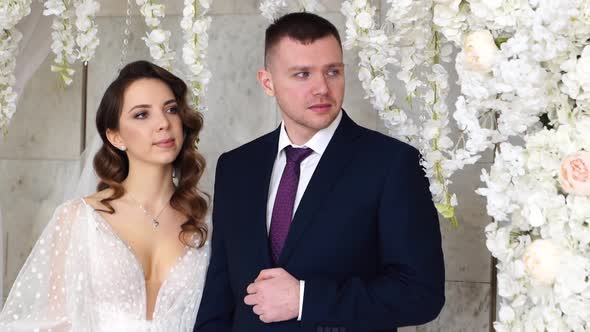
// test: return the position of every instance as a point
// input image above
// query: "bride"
(133, 256)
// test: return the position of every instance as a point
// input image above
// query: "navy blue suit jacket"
(365, 238)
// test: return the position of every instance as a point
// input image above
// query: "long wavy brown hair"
(112, 165)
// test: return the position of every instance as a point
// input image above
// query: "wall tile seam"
(468, 282)
(41, 159)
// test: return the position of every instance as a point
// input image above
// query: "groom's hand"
(274, 296)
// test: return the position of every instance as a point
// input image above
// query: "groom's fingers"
(251, 299)
(252, 288)
(269, 273)
(257, 309)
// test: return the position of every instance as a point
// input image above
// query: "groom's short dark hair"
(301, 26)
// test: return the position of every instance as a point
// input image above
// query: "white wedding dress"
(81, 276)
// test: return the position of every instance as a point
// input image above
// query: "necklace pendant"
(155, 223)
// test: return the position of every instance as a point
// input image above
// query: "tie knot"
(296, 155)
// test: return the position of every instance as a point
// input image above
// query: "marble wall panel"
(467, 309)
(466, 255)
(47, 122)
(32, 189)
(239, 110)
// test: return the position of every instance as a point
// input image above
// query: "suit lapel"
(337, 156)
(260, 175)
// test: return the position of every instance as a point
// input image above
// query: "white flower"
(364, 74)
(63, 40)
(157, 40)
(272, 9)
(498, 241)
(206, 4)
(481, 52)
(310, 6)
(507, 286)
(152, 12)
(506, 314)
(359, 4)
(574, 275)
(86, 39)
(157, 36)
(54, 7)
(450, 20)
(195, 25)
(156, 52)
(9, 40)
(535, 215)
(12, 11)
(576, 306)
(364, 20)
(576, 82)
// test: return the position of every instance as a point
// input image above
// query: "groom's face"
(307, 81)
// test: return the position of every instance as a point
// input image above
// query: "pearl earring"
(123, 148)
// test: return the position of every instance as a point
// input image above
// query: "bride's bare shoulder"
(95, 199)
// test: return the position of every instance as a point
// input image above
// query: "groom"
(320, 225)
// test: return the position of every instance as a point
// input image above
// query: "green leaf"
(447, 211)
(500, 40)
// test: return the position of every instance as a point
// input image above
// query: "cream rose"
(574, 174)
(541, 260)
(480, 50)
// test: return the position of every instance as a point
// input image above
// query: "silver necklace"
(155, 222)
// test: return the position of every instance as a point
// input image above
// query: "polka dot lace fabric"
(81, 276)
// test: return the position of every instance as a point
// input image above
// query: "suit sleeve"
(217, 305)
(409, 290)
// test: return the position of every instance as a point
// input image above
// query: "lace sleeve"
(39, 299)
(198, 285)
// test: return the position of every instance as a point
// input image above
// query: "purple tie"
(282, 211)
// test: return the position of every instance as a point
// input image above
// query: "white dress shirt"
(318, 143)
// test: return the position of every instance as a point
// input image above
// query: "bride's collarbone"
(156, 249)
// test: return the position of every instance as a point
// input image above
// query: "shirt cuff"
(301, 292)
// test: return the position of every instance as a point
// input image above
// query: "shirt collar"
(318, 143)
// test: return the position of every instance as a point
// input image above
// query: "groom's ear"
(265, 79)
